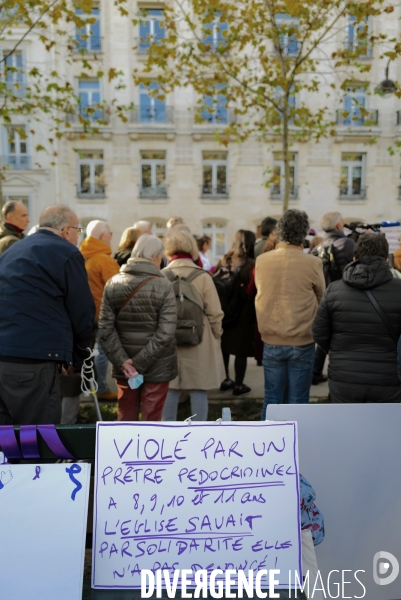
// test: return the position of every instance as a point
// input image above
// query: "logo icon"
(385, 568)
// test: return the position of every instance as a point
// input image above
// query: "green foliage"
(263, 54)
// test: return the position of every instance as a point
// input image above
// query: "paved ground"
(253, 378)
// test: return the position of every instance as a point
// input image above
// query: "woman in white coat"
(200, 368)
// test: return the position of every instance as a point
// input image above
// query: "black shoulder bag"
(383, 316)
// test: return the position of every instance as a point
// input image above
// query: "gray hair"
(147, 246)
(10, 207)
(143, 225)
(330, 220)
(56, 216)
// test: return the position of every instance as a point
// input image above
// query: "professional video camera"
(375, 227)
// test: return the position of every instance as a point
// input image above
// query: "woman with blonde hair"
(200, 367)
(128, 240)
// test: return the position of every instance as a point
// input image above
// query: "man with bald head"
(15, 220)
(46, 318)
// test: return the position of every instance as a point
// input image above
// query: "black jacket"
(47, 309)
(347, 325)
(343, 248)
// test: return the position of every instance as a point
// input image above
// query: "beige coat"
(290, 286)
(201, 367)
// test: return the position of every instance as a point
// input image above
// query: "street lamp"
(387, 86)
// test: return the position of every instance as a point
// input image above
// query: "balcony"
(357, 193)
(277, 194)
(210, 192)
(156, 192)
(150, 117)
(219, 118)
(97, 116)
(17, 161)
(91, 190)
(90, 44)
(354, 118)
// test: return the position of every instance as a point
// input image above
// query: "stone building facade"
(161, 163)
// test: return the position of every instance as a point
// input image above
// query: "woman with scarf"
(200, 368)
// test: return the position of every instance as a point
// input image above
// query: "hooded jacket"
(348, 327)
(144, 330)
(100, 266)
(8, 236)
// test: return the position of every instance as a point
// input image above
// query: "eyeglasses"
(79, 229)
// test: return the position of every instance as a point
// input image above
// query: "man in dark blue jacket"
(46, 318)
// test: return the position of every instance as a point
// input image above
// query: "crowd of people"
(168, 319)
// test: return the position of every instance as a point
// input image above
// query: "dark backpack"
(190, 313)
(229, 292)
(324, 251)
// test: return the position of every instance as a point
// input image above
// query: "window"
(91, 182)
(288, 38)
(358, 37)
(214, 34)
(352, 176)
(291, 103)
(14, 72)
(353, 102)
(27, 200)
(151, 27)
(214, 174)
(88, 37)
(151, 109)
(89, 99)
(17, 156)
(159, 228)
(278, 179)
(217, 232)
(153, 175)
(214, 108)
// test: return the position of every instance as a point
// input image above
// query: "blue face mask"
(135, 382)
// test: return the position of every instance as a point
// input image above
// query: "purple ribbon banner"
(29, 443)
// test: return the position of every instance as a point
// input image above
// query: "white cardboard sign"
(43, 515)
(205, 496)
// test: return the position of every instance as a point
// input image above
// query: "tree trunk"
(286, 159)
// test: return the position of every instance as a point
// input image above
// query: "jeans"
(101, 363)
(198, 405)
(288, 372)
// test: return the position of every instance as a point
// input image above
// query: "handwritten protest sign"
(199, 497)
(43, 526)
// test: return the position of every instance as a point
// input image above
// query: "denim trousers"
(199, 406)
(288, 374)
(101, 363)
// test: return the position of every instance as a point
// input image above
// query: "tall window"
(278, 182)
(214, 33)
(15, 72)
(288, 39)
(89, 99)
(151, 27)
(352, 176)
(88, 37)
(214, 107)
(217, 232)
(291, 103)
(91, 183)
(353, 102)
(358, 37)
(214, 174)
(151, 108)
(17, 148)
(153, 174)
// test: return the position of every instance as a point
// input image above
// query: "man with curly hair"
(290, 286)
